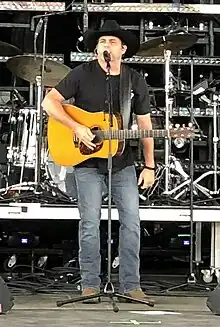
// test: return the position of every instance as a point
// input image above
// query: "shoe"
(91, 291)
(139, 295)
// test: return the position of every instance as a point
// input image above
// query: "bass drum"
(62, 177)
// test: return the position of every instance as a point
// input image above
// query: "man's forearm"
(55, 109)
(148, 149)
(144, 122)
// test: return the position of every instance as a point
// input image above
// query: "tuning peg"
(183, 126)
(170, 126)
(190, 125)
(177, 126)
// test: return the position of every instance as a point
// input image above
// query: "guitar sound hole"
(97, 138)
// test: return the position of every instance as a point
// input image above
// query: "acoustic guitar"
(66, 150)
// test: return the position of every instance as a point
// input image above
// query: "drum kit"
(27, 144)
(28, 123)
(165, 46)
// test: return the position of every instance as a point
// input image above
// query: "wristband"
(149, 168)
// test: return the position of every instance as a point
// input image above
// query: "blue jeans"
(125, 195)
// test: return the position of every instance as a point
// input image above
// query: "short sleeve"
(141, 99)
(68, 86)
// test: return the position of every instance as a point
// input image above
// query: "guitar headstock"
(181, 131)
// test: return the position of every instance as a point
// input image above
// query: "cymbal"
(28, 67)
(173, 42)
(9, 50)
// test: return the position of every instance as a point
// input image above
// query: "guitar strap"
(125, 94)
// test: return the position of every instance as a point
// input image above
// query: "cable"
(55, 269)
(58, 279)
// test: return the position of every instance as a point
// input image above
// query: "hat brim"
(91, 38)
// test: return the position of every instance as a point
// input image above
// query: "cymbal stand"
(215, 144)
(39, 122)
(24, 144)
(195, 236)
(215, 227)
(38, 131)
(16, 122)
(168, 110)
(10, 154)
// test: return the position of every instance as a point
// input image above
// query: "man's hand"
(146, 178)
(84, 135)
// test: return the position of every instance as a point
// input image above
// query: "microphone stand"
(109, 289)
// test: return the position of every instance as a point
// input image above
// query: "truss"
(175, 60)
(149, 8)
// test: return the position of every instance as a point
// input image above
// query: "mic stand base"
(191, 281)
(111, 294)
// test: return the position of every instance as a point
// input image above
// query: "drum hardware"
(24, 186)
(175, 179)
(184, 186)
(49, 191)
(168, 111)
(17, 99)
(3, 176)
(39, 131)
(39, 72)
(180, 182)
(215, 172)
(12, 121)
(9, 50)
(21, 149)
(215, 143)
(172, 42)
(28, 67)
(164, 46)
(55, 174)
(28, 140)
(26, 148)
(159, 174)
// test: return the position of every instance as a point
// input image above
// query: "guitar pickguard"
(86, 151)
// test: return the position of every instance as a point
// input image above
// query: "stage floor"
(41, 310)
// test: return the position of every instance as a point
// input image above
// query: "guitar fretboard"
(131, 134)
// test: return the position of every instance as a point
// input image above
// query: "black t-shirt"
(87, 85)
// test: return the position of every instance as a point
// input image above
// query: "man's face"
(113, 45)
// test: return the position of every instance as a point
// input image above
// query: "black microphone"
(36, 33)
(107, 56)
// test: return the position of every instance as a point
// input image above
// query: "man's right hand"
(84, 135)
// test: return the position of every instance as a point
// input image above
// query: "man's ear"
(124, 48)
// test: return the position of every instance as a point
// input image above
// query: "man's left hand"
(146, 178)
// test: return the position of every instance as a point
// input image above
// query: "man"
(87, 84)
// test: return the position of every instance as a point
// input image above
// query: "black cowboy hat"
(111, 28)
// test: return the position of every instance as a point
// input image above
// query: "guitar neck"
(131, 134)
